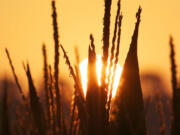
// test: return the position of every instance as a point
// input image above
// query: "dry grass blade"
(173, 65)
(56, 64)
(14, 74)
(5, 118)
(79, 99)
(113, 41)
(78, 77)
(36, 108)
(52, 103)
(115, 65)
(73, 75)
(46, 84)
(130, 117)
(176, 92)
(106, 35)
(106, 29)
(103, 94)
(118, 40)
(68, 63)
(73, 126)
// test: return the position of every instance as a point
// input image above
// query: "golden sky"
(26, 24)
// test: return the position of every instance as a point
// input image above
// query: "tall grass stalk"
(56, 67)
(115, 65)
(14, 74)
(106, 32)
(36, 107)
(52, 103)
(46, 84)
(176, 91)
(173, 65)
(104, 86)
(73, 108)
(113, 41)
(79, 99)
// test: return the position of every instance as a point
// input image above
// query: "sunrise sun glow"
(83, 69)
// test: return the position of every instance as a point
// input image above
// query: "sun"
(83, 70)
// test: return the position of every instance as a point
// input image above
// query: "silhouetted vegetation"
(95, 113)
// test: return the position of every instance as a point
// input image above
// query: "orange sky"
(26, 24)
